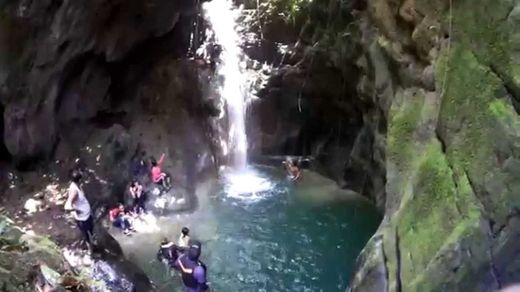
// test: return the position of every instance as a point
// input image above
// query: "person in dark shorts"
(138, 197)
(78, 204)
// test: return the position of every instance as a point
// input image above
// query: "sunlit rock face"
(61, 61)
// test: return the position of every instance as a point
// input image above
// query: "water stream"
(286, 238)
(222, 17)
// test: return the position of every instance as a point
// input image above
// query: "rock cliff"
(64, 62)
(452, 152)
(415, 104)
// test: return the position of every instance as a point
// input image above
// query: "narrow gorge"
(403, 116)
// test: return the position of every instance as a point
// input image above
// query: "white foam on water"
(146, 223)
(247, 185)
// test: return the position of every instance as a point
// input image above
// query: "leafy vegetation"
(288, 10)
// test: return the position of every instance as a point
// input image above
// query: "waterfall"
(222, 17)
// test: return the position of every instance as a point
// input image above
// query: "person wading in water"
(291, 166)
(78, 204)
(193, 271)
(184, 238)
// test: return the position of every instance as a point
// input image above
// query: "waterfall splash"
(242, 182)
(222, 17)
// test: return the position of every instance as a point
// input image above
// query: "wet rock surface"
(29, 261)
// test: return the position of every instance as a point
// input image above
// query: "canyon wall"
(427, 94)
(452, 152)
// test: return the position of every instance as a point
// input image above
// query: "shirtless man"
(292, 169)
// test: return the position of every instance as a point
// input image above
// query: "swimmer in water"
(292, 169)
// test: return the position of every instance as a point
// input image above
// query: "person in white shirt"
(184, 238)
(78, 204)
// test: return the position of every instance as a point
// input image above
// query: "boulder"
(33, 205)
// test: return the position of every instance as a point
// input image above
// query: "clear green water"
(291, 238)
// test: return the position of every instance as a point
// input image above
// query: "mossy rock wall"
(453, 151)
(20, 256)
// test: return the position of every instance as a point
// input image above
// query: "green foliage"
(287, 10)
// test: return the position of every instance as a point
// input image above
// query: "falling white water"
(222, 17)
(242, 182)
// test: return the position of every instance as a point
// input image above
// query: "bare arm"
(132, 192)
(72, 197)
(184, 270)
(298, 172)
(161, 160)
(295, 171)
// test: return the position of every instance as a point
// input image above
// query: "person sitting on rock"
(119, 219)
(292, 169)
(184, 238)
(138, 196)
(158, 176)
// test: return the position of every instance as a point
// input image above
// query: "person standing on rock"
(78, 204)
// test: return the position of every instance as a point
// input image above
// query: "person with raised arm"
(158, 176)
